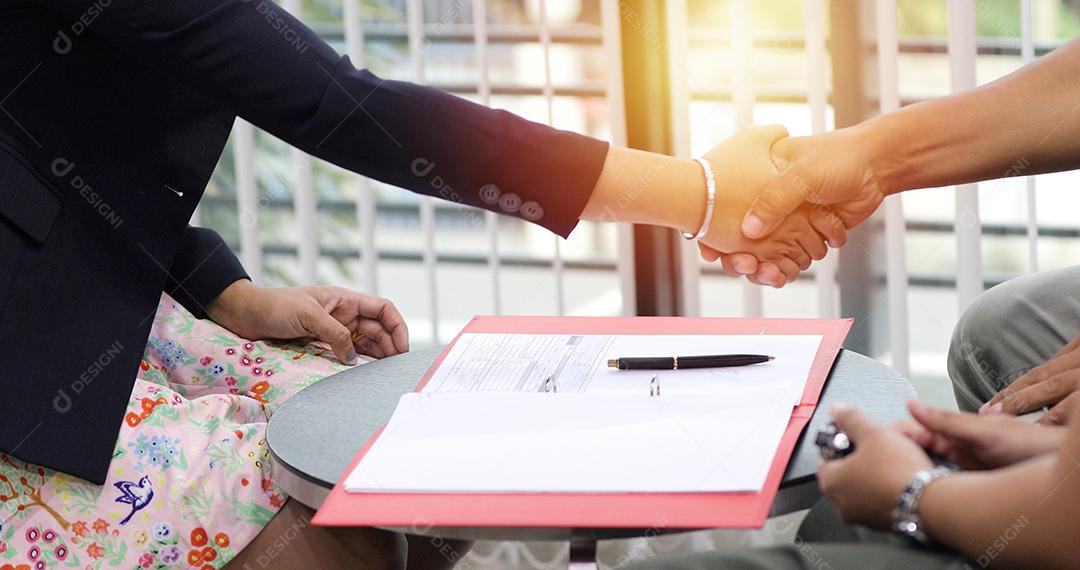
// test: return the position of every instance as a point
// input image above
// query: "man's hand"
(828, 175)
(866, 484)
(978, 442)
(1054, 383)
(332, 315)
(832, 169)
(744, 166)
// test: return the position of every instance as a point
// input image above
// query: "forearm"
(202, 268)
(647, 188)
(1024, 123)
(1021, 516)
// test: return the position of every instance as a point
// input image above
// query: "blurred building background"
(723, 64)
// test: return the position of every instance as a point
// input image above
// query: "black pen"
(684, 362)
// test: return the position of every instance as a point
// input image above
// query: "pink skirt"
(189, 485)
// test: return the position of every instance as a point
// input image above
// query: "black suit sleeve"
(202, 267)
(270, 69)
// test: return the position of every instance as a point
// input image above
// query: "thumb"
(780, 197)
(320, 325)
(852, 422)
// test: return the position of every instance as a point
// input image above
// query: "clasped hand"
(866, 484)
(787, 199)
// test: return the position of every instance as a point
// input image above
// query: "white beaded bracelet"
(710, 201)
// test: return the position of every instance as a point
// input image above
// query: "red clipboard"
(598, 510)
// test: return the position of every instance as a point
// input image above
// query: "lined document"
(510, 442)
(578, 364)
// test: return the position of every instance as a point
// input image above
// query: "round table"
(316, 434)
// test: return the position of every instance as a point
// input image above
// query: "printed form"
(481, 362)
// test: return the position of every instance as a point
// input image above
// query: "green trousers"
(1010, 329)
(824, 542)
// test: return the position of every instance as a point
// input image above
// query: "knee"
(973, 336)
(978, 350)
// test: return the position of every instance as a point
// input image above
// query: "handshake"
(781, 202)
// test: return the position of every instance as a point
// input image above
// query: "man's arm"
(1023, 516)
(1027, 122)
(201, 269)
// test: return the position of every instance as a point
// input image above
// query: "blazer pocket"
(25, 200)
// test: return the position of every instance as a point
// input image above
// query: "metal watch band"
(710, 201)
(905, 516)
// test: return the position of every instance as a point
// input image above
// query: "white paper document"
(496, 442)
(481, 362)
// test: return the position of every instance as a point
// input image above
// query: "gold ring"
(356, 336)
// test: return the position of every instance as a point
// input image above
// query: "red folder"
(598, 510)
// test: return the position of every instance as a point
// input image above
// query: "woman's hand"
(348, 321)
(977, 442)
(866, 484)
(645, 188)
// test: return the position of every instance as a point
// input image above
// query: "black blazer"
(113, 114)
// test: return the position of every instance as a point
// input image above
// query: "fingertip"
(743, 265)
(996, 408)
(840, 408)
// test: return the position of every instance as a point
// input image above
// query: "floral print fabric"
(189, 485)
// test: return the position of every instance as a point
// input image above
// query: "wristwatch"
(905, 517)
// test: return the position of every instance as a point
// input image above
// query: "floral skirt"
(189, 485)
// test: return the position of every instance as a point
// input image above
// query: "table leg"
(583, 554)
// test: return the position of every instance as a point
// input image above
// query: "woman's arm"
(647, 188)
(257, 60)
(202, 268)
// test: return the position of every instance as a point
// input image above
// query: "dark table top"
(317, 433)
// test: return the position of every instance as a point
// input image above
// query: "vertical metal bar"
(817, 97)
(1027, 53)
(742, 47)
(491, 219)
(549, 98)
(678, 49)
(304, 197)
(415, 19)
(247, 199)
(646, 62)
(365, 205)
(857, 277)
(962, 51)
(612, 38)
(895, 253)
